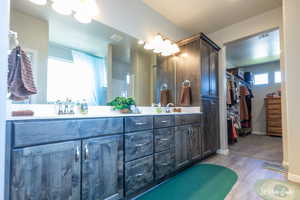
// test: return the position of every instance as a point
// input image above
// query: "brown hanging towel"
(20, 78)
(164, 97)
(185, 97)
(244, 112)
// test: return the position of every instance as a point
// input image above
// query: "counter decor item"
(122, 104)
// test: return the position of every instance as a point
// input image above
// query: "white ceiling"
(258, 49)
(210, 15)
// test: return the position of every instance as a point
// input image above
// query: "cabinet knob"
(86, 152)
(77, 154)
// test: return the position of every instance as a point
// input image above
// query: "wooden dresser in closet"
(273, 116)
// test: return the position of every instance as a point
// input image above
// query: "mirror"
(80, 61)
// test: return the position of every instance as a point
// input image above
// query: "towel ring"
(164, 87)
(187, 83)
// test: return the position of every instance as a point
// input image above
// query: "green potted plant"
(122, 104)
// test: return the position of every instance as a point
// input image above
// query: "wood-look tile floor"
(249, 171)
(259, 147)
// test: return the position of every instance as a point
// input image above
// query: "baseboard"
(294, 178)
(223, 152)
(285, 164)
(258, 133)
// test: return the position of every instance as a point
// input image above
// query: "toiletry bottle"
(84, 107)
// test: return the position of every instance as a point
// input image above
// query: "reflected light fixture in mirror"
(39, 2)
(162, 46)
(84, 10)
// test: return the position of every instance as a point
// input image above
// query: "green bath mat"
(201, 182)
(269, 189)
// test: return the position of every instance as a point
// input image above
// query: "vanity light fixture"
(162, 46)
(83, 10)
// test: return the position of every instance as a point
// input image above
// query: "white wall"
(4, 26)
(259, 93)
(137, 19)
(266, 21)
(291, 16)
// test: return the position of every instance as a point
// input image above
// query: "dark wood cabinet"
(210, 140)
(182, 144)
(102, 168)
(47, 172)
(209, 70)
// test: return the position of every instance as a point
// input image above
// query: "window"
(261, 79)
(277, 76)
(82, 78)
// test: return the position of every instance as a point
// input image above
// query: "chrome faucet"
(168, 109)
(65, 108)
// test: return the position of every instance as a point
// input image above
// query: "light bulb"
(148, 46)
(83, 18)
(87, 6)
(62, 7)
(141, 42)
(39, 2)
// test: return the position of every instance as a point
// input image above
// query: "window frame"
(265, 82)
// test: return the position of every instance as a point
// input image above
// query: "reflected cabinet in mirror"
(78, 61)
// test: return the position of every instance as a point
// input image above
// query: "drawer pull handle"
(140, 123)
(164, 139)
(86, 152)
(140, 145)
(77, 154)
(139, 175)
(165, 164)
(164, 121)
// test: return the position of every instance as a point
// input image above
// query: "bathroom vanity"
(122, 155)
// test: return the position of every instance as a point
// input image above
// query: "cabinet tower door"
(182, 140)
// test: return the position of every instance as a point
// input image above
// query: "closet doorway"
(254, 97)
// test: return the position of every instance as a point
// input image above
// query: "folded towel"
(20, 78)
(185, 97)
(164, 97)
(21, 113)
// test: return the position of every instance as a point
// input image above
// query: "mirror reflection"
(76, 61)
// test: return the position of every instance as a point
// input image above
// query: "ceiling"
(258, 49)
(208, 16)
(92, 38)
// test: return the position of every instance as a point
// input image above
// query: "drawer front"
(138, 145)
(164, 121)
(273, 101)
(274, 124)
(274, 107)
(138, 123)
(98, 127)
(163, 139)
(187, 119)
(272, 112)
(138, 174)
(164, 163)
(40, 132)
(273, 116)
(274, 130)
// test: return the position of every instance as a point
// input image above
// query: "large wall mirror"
(80, 61)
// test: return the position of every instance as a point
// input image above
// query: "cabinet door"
(182, 143)
(205, 68)
(49, 172)
(214, 125)
(102, 168)
(206, 128)
(213, 73)
(196, 142)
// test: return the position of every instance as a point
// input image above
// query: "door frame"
(222, 93)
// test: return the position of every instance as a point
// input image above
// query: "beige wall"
(266, 21)
(291, 18)
(33, 36)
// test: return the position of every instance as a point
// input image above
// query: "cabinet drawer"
(138, 174)
(274, 124)
(164, 163)
(164, 121)
(273, 101)
(187, 119)
(138, 144)
(138, 123)
(98, 127)
(40, 132)
(272, 112)
(274, 107)
(273, 116)
(163, 139)
(274, 130)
